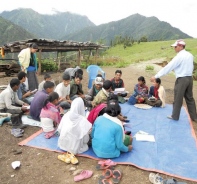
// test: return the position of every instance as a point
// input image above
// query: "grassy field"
(147, 50)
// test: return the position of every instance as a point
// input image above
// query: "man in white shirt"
(63, 90)
(47, 77)
(183, 65)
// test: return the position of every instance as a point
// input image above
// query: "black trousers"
(184, 89)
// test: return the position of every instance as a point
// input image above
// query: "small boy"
(47, 77)
(63, 90)
(76, 87)
(39, 98)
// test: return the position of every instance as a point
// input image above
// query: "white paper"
(15, 164)
(144, 137)
(27, 107)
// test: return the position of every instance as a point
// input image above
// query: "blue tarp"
(174, 152)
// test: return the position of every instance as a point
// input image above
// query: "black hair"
(158, 80)
(112, 96)
(113, 108)
(34, 46)
(14, 82)
(48, 84)
(141, 78)
(66, 76)
(99, 75)
(46, 76)
(21, 75)
(79, 76)
(79, 71)
(118, 71)
(107, 84)
(52, 96)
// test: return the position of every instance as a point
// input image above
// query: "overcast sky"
(179, 13)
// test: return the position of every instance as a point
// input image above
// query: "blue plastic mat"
(174, 152)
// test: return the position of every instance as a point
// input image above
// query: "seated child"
(50, 115)
(47, 77)
(97, 86)
(108, 138)
(76, 87)
(158, 92)
(39, 98)
(22, 92)
(63, 90)
(140, 92)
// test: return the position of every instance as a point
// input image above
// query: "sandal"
(106, 174)
(83, 175)
(103, 167)
(65, 158)
(117, 175)
(105, 181)
(16, 133)
(107, 162)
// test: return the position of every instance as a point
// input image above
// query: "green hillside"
(47, 26)
(10, 32)
(150, 50)
(134, 26)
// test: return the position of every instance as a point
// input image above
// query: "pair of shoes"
(68, 158)
(116, 176)
(83, 175)
(155, 178)
(17, 132)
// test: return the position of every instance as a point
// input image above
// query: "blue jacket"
(107, 138)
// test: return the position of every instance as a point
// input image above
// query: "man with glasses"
(183, 65)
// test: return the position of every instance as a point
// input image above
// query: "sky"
(179, 13)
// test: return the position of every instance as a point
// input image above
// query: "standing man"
(28, 63)
(183, 65)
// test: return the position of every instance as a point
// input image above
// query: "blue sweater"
(107, 138)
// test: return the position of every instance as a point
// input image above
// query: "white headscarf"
(73, 127)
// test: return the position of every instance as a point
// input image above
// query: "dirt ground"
(42, 167)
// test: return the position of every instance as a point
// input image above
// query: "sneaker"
(169, 117)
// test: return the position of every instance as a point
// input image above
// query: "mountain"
(47, 26)
(135, 26)
(10, 32)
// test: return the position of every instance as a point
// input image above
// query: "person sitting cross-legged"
(63, 90)
(47, 77)
(39, 98)
(158, 92)
(108, 138)
(9, 103)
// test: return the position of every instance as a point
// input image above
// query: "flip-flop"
(105, 181)
(103, 167)
(19, 130)
(117, 175)
(106, 162)
(172, 181)
(106, 174)
(83, 175)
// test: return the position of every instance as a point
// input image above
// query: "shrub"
(149, 67)
(48, 65)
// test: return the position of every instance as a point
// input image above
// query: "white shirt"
(62, 90)
(182, 64)
(8, 98)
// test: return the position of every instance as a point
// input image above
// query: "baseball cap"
(99, 80)
(178, 42)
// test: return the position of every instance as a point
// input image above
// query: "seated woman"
(158, 93)
(50, 115)
(108, 138)
(74, 129)
(140, 92)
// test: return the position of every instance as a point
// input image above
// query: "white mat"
(143, 106)
(31, 122)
